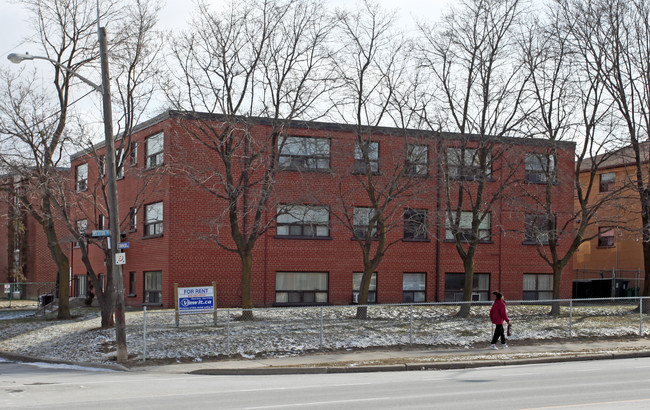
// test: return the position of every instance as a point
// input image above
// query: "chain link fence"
(27, 291)
(155, 334)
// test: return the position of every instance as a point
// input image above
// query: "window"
(607, 181)
(303, 221)
(101, 166)
(356, 286)
(537, 228)
(301, 287)
(303, 153)
(455, 284)
(361, 221)
(465, 227)
(134, 153)
(119, 164)
(80, 285)
(82, 177)
(417, 159)
(415, 224)
(153, 219)
(132, 284)
(373, 157)
(414, 286)
(82, 228)
(465, 163)
(539, 168)
(133, 219)
(538, 287)
(606, 236)
(154, 147)
(153, 287)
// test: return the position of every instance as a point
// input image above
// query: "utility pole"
(114, 219)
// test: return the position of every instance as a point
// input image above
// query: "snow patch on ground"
(295, 331)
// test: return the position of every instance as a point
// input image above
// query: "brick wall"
(188, 255)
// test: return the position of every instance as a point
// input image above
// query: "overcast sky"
(14, 27)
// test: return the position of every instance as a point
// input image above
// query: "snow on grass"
(278, 332)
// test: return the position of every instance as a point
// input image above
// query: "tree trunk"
(557, 281)
(246, 299)
(362, 311)
(105, 300)
(465, 308)
(64, 286)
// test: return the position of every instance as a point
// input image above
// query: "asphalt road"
(602, 384)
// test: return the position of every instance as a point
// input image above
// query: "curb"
(416, 366)
(29, 359)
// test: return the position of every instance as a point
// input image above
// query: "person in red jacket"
(498, 315)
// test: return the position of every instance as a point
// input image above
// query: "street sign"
(195, 299)
(120, 258)
(101, 232)
(123, 245)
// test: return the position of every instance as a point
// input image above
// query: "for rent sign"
(195, 299)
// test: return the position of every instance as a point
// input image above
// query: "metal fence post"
(228, 332)
(411, 325)
(641, 316)
(570, 316)
(321, 329)
(144, 335)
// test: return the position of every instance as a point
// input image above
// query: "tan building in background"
(615, 249)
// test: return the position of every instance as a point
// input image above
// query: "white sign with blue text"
(191, 300)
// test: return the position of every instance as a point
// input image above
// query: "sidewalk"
(416, 359)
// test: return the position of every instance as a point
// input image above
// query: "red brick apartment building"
(24, 257)
(314, 261)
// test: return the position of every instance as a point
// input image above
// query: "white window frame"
(356, 287)
(607, 182)
(531, 284)
(539, 167)
(361, 220)
(134, 154)
(417, 159)
(414, 291)
(468, 167)
(303, 221)
(154, 150)
(301, 288)
(153, 287)
(373, 157)
(81, 177)
(415, 229)
(304, 153)
(537, 228)
(465, 227)
(153, 219)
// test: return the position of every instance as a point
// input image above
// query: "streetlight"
(105, 90)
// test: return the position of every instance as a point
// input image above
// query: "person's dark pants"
(499, 333)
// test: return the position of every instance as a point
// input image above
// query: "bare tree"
(472, 58)
(570, 105)
(254, 59)
(374, 65)
(66, 32)
(612, 38)
(135, 55)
